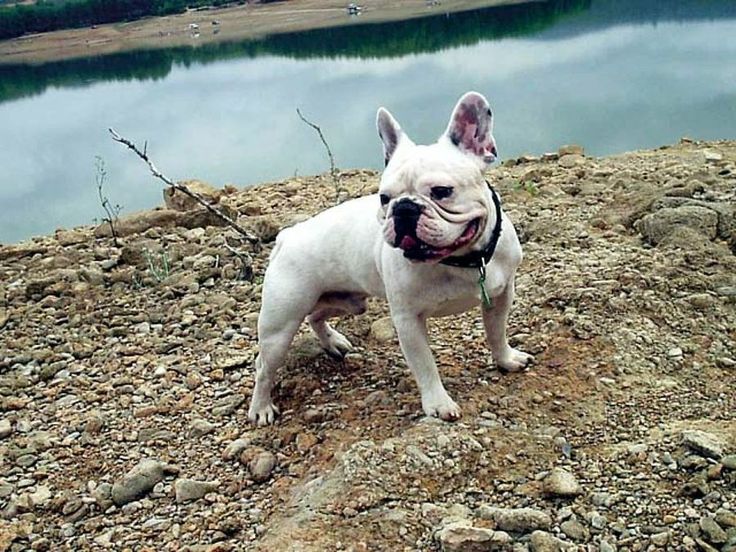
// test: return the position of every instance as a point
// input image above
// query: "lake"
(612, 75)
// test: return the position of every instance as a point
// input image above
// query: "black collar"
(478, 259)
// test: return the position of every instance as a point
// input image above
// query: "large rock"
(704, 443)
(655, 227)
(139, 481)
(561, 483)
(460, 536)
(179, 201)
(137, 223)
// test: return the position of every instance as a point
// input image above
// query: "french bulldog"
(433, 242)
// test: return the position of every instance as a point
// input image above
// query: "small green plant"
(158, 268)
(111, 211)
(528, 186)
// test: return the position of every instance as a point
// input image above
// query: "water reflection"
(597, 76)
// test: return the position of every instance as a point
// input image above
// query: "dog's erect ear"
(470, 128)
(390, 132)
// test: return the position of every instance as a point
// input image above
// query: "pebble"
(5, 428)
(191, 489)
(234, 449)
(261, 466)
(201, 427)
(574, 529)
(561, 483)
(382, 330)
(545, 542)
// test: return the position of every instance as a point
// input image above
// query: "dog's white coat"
(327, 265)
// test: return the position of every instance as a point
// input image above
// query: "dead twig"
(333, 169)
(181, 188)
(111, 211)
(246, 263)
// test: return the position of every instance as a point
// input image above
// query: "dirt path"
(234, 23)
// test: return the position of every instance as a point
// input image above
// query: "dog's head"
(434, 200)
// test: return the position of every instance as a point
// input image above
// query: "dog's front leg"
(495, 319)
(411, 329)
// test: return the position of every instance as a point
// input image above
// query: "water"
(613, 75)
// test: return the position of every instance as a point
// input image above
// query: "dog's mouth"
(417, 250)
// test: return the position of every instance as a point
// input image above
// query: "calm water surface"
(613, 75)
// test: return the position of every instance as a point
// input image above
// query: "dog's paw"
(262, 414)
(337, 345)
(514, 361)
(445, 409)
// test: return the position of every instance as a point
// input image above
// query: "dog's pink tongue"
(407, 242)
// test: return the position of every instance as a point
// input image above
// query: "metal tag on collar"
(485, 300)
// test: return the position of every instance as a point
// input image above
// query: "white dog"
(433, 242)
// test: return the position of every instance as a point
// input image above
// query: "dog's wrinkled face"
(434, 201)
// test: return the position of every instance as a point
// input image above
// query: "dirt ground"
(234, 23)
(123, 358)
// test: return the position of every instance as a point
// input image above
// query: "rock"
(261, 466)
(179, 201)
(313, 416)
(382, 330)
(138, 223)
(660, 539)
(729, 462)
(139, 481)
(228, 405)
(704, 443)
(713, 532)
(41, 496)
(561, 483)
(725, 518)
(201, 428)
(264, 227)
(191, 489)
(570, 160)
(5, 428)
(712, 156)
(574, 529)
(656, 226)
(460, 536)
(71, 237)
(234, 449)
(544, 542)
(516, 520)
(570, 149)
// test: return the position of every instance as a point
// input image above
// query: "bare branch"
(333, 169)
(181, 188)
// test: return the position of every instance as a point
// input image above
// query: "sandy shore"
(233, 23)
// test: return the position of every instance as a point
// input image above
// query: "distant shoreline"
(227, 24)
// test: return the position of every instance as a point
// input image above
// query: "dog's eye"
(384, 199)
(441, 192)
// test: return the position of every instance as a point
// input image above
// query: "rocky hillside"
(125, 373)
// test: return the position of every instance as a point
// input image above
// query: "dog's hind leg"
(329, 306)
(282, 311)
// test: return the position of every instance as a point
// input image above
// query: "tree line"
(51, 16)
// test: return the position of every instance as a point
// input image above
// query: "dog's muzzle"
(406, 214)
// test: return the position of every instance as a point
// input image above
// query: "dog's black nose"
(406, 208)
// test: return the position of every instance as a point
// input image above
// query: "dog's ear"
(470, 129)
(390, 133)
